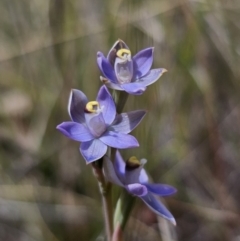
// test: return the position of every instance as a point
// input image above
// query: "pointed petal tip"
(175, 191)
(134, 145)
(104, 80)
(149, 48)
(143, 161)
(75, 92)
(120, 40)
(99, 54)
(89, 162)
(72, 92)
(59, 127)
(164, 70)
(105, 88)
(116, 43)
(152, 49)
(145, 112)
(62, 130)
(173, 221)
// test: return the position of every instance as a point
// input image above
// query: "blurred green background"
(190, 136)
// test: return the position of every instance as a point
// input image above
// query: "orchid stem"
(107, 209)
(120, 98)
(106, 193)
(123, 210)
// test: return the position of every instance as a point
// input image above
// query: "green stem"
(120, 98)
(123, 210)
(125, 201)
(108, 213)
(106, 193)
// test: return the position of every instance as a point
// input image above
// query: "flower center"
(132, 163)
(92, 107)
(94, 118)
(123, 66)
(124, 54)
(96, 124)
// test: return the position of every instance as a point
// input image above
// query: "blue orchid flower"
(97, 125)
(132, 176)
(122, 72)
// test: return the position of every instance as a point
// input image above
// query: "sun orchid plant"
(132, 176)
(102, 131)
(97, 125)
(123, 72)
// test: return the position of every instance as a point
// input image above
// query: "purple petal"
(114, 86)
(142, 62)
(157, 207)
(143, 177)
(123, 70)
(137, 189)
(119, 140)
(160, 189)
(126, 122)
(110, 173)
(110, 84)
(76, 105)
(107, 105)
(119, 44)
(134, 88)
(119, 166)
(152, 76)
(93, 150)
(106, 67)
(75, 131)
(133, 175)
(95, 123)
